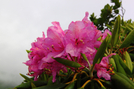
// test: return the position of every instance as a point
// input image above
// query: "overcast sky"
(22, 21)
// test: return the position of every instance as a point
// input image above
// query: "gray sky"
(22, 21)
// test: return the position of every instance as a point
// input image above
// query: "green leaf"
(107, 84)
(24, 85)
(128, 60)
(28, 51)
(128, 40)
(52, 86)
(100, 51)
(118, 65)
(68, 62)
(103, 87)
(131, 26)
(126, 78)
(111, 61)
(28, 85)
(127, 70)
(85, 58)
(26, 78)
(116, 31)
(70, 86)
(33, 86)
(120, 81)
(50, 80)
(131, 55)
(78, 82)
(128, 28)
(39, 83)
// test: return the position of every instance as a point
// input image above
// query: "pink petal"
(105, 33)
(72, 50)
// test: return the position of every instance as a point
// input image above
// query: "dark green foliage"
(107, 16)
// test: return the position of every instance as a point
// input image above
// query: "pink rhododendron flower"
(106, 32)
(80, 37)
(55, 45)
(103, 66)
(53, 68)
(103, 73)
(54, 42)
(35, 57)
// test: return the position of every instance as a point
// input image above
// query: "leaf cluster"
(107, 16)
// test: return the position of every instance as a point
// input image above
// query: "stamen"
(52, 46)
(47, 48)
(81, 41)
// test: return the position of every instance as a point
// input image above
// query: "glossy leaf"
(28, 85)
(120, 81)
(84, 56)
(32, 85)
(103, 87)
(111, 61)
(101, 51)
(39, 83)
(26, 78)
(24, 85)
(118, 65)
(128, 28)
(128, 40)
(50, 80)
(28, 51)
(107, 84)
(128, 60)
(131, 26)
(52, 86)
(126, 78)
(70, 86)
(116, 31)
(68, 62)
(127, 70)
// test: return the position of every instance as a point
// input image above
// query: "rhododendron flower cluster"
(103, 68)
(80, 37)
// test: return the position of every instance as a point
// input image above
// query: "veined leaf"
(52, 86)
(128, 28)
(50, 80)
(28, 85)
(85, 58)
(26, 78)
(128, 40)
(28, 51)
(111, 61)
(24, 85)
(70, 86)
(128, 60)
(118, 65)
(127, 70)
(126, 78)
(131, 26)
(120, 81)
(116, 31)
(68, 62)
(39, 83)
(32, 85)
(101, 51)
